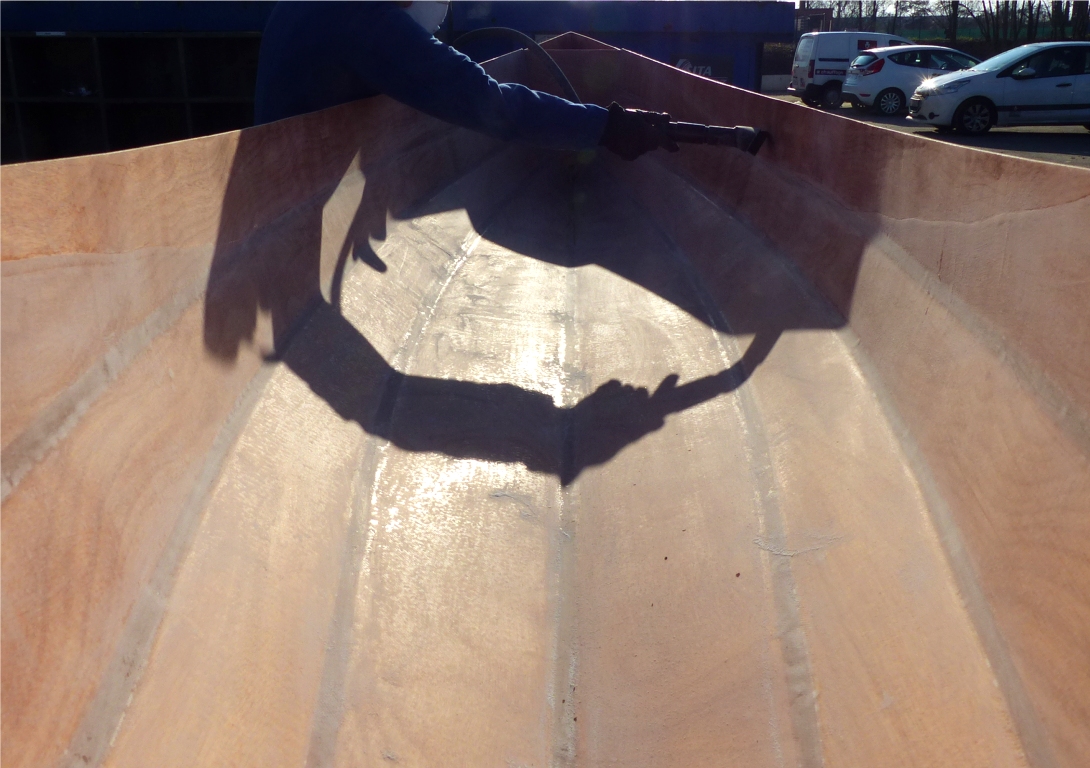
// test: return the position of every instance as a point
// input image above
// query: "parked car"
(884, 78)
(822, 59)
(1036, 84)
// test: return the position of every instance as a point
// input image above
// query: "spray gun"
(631, 132)
(673, 132)
(741, 136)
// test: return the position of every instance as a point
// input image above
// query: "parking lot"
(1056, 144)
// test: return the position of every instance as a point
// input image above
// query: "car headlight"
(953, 87)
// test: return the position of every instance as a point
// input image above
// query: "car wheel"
(810, 102)
(831, 97)
(974, 118)
(890, 102)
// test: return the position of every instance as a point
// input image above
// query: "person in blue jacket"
(317, 55)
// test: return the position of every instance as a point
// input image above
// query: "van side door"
(833, 58)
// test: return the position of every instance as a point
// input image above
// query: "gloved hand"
(631, 132)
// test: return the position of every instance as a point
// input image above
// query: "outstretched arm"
(397, 57)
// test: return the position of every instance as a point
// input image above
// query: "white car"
(822, 59)
(884, 78)
(1037, 84)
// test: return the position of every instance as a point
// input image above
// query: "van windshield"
(802, 53)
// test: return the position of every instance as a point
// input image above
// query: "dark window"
(60, 130)
(222, 67)
(965, 62)
(53, 67)
(218, 118)
(74, 95)
(141, 67)
(5, 76)
(865, 59)
(1054, 62)
(135, 125)
(10, 149)
(944, 61)
(1085, 50)
(910, 58)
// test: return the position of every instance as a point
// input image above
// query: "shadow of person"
(265, 290)
(491, 422)
(616, 415)
(268, 264)
(268, 256)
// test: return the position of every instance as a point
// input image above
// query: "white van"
(822, 59)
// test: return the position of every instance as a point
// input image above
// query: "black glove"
(631, 132)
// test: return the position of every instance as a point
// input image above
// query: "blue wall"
(725, 36)
(92, 16)
(721, 39)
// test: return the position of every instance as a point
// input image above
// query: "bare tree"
(1080, 19)
(1033, 13)
(904, 9)
(1069, 13)
(1061, 16)
(951, 11)
(872, 15)
(1000, 21)
(843, 10)
(891, 26)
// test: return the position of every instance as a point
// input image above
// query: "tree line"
(1000, 24)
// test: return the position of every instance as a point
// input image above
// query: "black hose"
(535, 50)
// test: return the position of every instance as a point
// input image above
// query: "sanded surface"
(385, 444)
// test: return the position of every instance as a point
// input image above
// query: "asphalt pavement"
(1069, 145)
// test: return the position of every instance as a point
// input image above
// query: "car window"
(864, 60)
(1054, 62)
(1085, 60)
(910, 58)
(1002, 60)
(802, 53)
(964, 61)
(944, 61)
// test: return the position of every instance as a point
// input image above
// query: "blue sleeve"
(397, 57)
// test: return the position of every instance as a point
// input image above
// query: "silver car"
(1037, 84)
